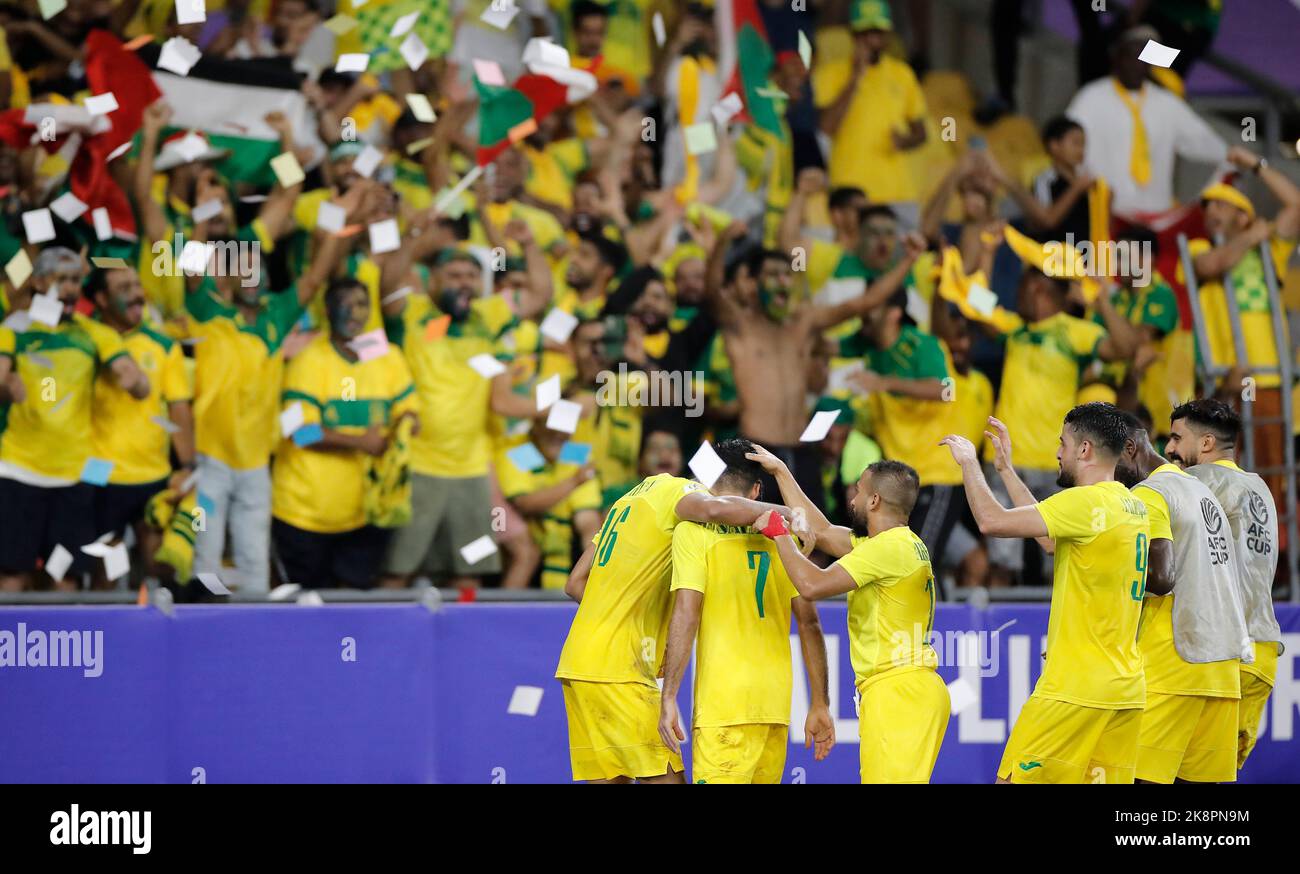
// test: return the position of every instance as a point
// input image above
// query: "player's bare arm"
(993, 518)
(1000, 438)
(834, 540)
(823, 317)
(810, 581)
(682, 628)
(819, 727)
(577, 582)
(1160, 566)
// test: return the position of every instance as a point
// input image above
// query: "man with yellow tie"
(1135, 129)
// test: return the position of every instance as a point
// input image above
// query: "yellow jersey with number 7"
(1102, 533)
(619, 632)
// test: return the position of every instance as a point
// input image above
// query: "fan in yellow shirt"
(137, 436)
(351, 389)
(885, 569)
(732, 592)
(47, 437)
(559, 500)
(1081, 723)
(615, 646)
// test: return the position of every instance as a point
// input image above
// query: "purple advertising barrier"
(348, 693)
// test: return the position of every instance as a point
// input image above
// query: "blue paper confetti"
(526, 457)
(96, 471)
(205, 503)
(308, 434)
(575, 453)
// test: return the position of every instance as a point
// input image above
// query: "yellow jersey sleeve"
(665, 497)
(585, 496)
(690, 569)
(570, 154)
(913, 99)
(1157, 512)
(306, 206)
(8, 341)
(1084, 337)
(823, 258)
(869, 562)
(175, 378)
(1071, 516)
(402, 387)
(513, 481)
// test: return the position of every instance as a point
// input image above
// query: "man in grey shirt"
(1203, 441)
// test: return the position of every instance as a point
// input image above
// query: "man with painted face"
(1203, 440)
(43, 502)
(769, 338)
(355, 395)
(138, 436)
(447, 335)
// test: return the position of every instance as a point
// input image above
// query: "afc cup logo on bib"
(1210, 513)
(1258, 509)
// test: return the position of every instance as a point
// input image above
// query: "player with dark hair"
(734, 594)
(885, 569)
(1081, 723)
(1203, 440)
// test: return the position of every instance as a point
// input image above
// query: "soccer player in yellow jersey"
(885, 569)
(47, 436)
(614, 650)
(1080, 725)
(138, 436)
(732, 592)
(1203, 440)
(1194, 637)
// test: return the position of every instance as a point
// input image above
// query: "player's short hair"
(584, 8)
(1209, 415)
(758, 256)
(611, 253)
(843, 197)
(896, 483)
(741, 472)
(1101, 424)
(1056, 128)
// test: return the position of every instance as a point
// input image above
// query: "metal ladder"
(1211, 372)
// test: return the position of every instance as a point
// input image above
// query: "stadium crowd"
(336, 296)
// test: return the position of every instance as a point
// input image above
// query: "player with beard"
(1192, 638)
(1081, 722)
(769, 331)
(594, 265)
(885, 569)
(1203, 441)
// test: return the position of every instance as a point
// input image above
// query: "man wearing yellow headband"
(1230, 219)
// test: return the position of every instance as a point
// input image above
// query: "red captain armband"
(775, 526)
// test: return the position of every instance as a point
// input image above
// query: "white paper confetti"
(331, 217)
(477, 550)
(661, 33)
(353, 62)
(195, 257)
(421, 108)
(1158, 55)
(413, 51)
(365, 163)
(499, 15)
(103, 225)
(525, 701)
(384, 237)
(119, 151)
(981, 299)
(190, 12)
(117, 562)
(101, 104)
(548, 392)
(558, 325)
(38, 225)
(206, 210)
(706, 465)
(178, 56)
(819, 427)
(726, 108)
(291, 418)
(67, 207)
(564, 416)
(46, 309)
(404, 24)
(486, 366)
(58, 563)
(166, 424)
(961, 695)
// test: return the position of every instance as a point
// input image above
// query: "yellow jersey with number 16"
(1101, 533)
(619, 632)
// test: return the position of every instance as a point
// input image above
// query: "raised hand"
(963, 451)
(1001, 440)
(766, 460)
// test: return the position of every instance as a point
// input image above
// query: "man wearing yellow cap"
(1230, 219)
(874, 113)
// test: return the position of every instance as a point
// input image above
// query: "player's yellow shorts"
(1254, 695)
(739, 753)
(902, 717)
(1058, 742)
(614, 731)
(1188, 737)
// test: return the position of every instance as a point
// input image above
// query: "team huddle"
(1162, 644)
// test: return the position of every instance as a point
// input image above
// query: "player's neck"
(1094, 474)
(881, 524)
(1211, 457)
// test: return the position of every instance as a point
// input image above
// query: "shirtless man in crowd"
(769, 327)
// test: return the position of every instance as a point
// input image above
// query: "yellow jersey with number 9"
(1101, 533)
(742, 653)
(891, 612)
(619, 632)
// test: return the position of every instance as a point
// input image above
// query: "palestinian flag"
(747, 62)
(508, 114)
(228, 100)
(109, 68)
